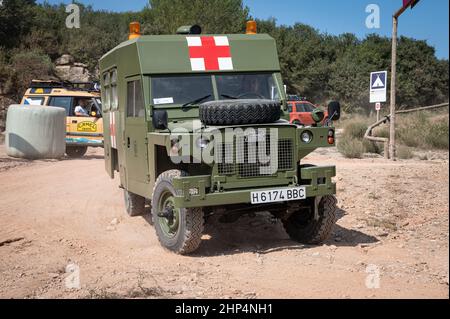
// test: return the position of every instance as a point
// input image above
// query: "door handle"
(128, 142)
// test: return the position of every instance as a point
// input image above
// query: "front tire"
(178, 229)
(302, 227)
(134, 204)
(76, 151)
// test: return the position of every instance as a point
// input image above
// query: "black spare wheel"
(240, 112)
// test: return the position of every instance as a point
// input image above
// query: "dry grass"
(422, 130)
(350, 147)
(404, 152)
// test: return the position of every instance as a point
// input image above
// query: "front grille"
(248, 163)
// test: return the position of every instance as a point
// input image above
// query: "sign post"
(378, 109)
(406, 4)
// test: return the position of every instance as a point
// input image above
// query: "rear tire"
(134, 204)
(302, 227)
(76, 151)
(180, 231)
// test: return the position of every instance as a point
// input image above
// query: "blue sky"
(429, 20)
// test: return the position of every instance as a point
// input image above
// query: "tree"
(215, 16)
(16, 18)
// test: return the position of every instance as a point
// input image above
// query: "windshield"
(181, 89)
(247, 86)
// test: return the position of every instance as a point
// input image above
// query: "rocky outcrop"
(68, 70)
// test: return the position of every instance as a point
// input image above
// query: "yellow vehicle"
(82, 103)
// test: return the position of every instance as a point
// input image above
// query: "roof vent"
(189, 29)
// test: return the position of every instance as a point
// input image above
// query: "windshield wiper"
(229, 96)
(189, 104)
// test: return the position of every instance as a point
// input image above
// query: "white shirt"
(80, 109)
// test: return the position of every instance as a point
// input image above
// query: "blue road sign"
(378, 80)
(378, 86)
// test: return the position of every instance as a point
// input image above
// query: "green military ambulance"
(196, 125)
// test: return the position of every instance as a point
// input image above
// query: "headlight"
(307, 137)
(330, 133)
(202, 142)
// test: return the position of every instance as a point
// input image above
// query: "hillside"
(316, 65)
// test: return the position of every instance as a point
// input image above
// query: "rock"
(337, 239)
(115, 221)
(110, 228)
(65, 59)
(316, 254)
(81, 65)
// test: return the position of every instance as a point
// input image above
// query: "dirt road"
(391, 240)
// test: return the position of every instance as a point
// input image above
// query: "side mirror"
(160, 119)
(334, 111)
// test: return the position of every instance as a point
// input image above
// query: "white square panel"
(198, 64)
(225, 64)
(194, 41)
(221, 41)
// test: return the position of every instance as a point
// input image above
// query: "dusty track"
(56, 213)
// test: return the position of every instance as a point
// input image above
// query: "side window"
(308, 107)
(130, 99)
(106, 91)
(114, 96)
(135, 99)
(34, 100)
(64, 102)
(300, 107)
(290, 107)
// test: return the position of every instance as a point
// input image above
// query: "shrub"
(355, 129)
(371, 147)
(350, 147)
(437, 135)
(381, 131)
(404, 152)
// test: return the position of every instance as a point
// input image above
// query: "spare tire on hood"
(240, 112)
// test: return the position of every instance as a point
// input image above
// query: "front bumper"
(82, 139)
(194, 191)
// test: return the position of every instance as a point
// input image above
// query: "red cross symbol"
(210, 53)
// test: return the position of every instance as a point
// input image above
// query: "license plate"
(278, 195)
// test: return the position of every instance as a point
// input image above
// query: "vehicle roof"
(166, 54)
(64, 92)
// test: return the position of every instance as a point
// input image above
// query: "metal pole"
(392, 149)
(378, 115)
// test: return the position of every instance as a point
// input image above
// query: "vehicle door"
(135, 147)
